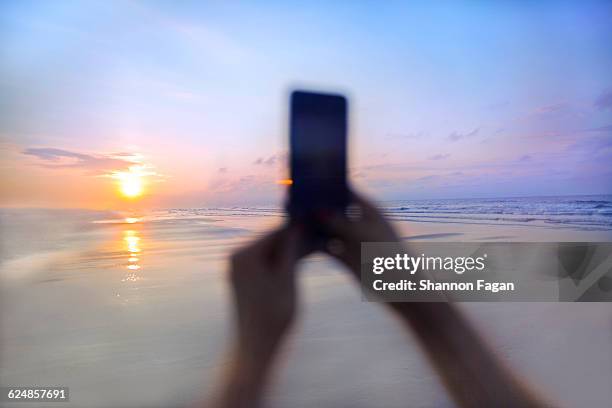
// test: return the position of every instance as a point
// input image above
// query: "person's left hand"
(262, 279)
(263, 282)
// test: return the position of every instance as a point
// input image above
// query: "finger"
(264, 244)
(290, 248)
(335, 247)
(369, 210)
(340, 227)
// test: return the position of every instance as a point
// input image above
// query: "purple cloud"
(604, 101)
(456, 136)
(607, 128)
(60, 158)
(270, 161)
(552, 108)
(415, 135)
(439, 156)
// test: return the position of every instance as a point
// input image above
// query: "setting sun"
(131, 185)
(131, 181)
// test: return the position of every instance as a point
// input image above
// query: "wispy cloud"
(102, 165)
(606, 128)
(411, 136)
(200, 39)
(604, 101)
(227, 185)
(439, 156)
(59, 158)
(551, 108)
(428, 177)
(456, 136)
(271, 160)
(249, 184)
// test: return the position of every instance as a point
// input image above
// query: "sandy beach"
(133, 310)
(143, 141)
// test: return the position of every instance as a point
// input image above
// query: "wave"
(589, 212)
(583, 213)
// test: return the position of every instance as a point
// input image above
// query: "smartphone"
(318, 158)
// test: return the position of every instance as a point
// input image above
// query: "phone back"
(318, 158)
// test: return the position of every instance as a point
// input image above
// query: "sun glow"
(134, 181)
(131, 181)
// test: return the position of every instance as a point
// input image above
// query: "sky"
(447, 100)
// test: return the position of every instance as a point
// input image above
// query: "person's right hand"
(469, 369)
(363, 223)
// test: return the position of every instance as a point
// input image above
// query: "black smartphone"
(318, 158)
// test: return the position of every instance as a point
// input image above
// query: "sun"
(131, 182)
(131, 185)
(134, 181)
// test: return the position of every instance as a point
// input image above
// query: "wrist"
(245, 378)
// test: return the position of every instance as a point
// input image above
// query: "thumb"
(340, 227)
(289, 249)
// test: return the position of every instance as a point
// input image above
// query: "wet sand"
(135, 312)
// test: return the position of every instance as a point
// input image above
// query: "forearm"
(470, 371)
(245, 378)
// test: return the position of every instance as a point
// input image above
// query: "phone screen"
(318, 129)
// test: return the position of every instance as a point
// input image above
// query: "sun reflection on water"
(133, 246)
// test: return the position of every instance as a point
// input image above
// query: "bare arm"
(263, 282)
(471, 372)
